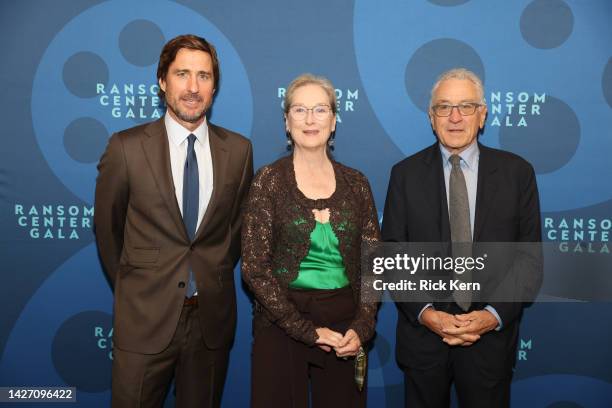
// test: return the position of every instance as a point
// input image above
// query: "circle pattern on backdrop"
(58, 324)
(76, 342)
(78, 71)
(85, 139)
(114, 71)
(393, 50)
(434, 58)
(557, 130)
(547, 24)
(141, 42)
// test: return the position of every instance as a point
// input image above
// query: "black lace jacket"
(276, 231)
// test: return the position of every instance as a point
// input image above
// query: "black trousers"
(430, 388)
(143, 380)
(286, 372)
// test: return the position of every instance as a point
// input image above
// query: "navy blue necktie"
(191, 202)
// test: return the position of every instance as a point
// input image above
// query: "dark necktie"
(191, 201)
(461, 231)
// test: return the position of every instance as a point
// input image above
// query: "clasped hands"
(459, 330)
(344, 346)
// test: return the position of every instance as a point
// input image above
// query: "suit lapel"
(486, 190)
(220, 155)
(435, 190)
(155, 145)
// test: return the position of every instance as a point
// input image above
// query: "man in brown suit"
(167, 223)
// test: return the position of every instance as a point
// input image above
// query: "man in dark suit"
(458, 190)
(167, 223)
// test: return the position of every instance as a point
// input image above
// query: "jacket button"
(181, 284)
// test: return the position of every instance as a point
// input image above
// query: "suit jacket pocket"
(143, 257)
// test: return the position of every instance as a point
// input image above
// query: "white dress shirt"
(177, 143)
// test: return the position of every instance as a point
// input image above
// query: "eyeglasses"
(465, 109)
(319, 112)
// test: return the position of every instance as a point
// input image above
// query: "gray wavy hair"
(459, 73)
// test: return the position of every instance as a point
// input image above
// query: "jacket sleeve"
(111, 202)
(238, 207)
(365, 320)
(526, 273)
(395, 229)
(257, 249)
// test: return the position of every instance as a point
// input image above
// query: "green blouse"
(322, 267)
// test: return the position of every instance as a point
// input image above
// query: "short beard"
(185, 117)
(189, 118)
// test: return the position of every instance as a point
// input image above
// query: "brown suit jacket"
(144, 246)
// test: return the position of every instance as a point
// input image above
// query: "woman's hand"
(349, 345)
(328, 339)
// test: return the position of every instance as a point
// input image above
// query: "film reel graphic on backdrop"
(402, 47)
(81, 66)
(562, 136)
(80, 61)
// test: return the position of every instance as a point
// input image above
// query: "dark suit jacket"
(416, 210)
(144, 246)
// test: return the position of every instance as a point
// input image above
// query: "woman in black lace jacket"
(305, 220)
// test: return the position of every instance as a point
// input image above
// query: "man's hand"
(449, 327)
(480, 321)
(349, 345)
(474, 325)
(328, 338)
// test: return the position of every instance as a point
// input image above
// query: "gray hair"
(459, 73)
(310, 79)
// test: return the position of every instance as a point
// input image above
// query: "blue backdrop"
(74, 72)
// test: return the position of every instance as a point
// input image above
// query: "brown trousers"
(284, 371)
(143, 380)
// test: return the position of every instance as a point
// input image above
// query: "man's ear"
(483, 117)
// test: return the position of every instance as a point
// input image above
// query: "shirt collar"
(177, 133)
(469, 156)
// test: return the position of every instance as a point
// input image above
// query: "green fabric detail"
(322, 267)
(281, 270)
(299, 221)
